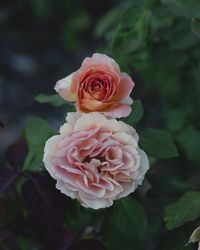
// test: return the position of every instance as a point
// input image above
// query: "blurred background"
(41, 42)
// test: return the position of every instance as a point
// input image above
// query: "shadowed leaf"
(7, 177)
(91, 244)
(178, 213)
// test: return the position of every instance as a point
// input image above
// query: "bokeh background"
(41, 42)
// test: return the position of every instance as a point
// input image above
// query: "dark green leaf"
(158, 143)
(186, 209)
(189, 139)
(106, 22)
(87, 244)
(169, 184)
(137, 113)
(54, 100)
(37, 132)
(161, 19)
(114, 239)
(170, 60)
(174, 118)
(184, 8)
(130, 217)
(132, 31)
(181, 37)
(196, 26)
(78, 217)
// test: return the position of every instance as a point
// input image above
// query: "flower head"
(98, 86)
(95, 159)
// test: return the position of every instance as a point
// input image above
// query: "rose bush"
(95, 159)
(98, 86)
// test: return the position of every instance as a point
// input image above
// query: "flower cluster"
(96, 158)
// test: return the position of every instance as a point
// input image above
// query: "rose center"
(100, 158)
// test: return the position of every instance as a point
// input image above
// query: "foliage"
(157, 41)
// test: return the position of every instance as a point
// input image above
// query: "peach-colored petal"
(125, 87)
(98, 86)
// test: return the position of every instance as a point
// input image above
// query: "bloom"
(95, 159)
(98, 86)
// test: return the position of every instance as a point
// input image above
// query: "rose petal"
(120, 110)
(63, 86)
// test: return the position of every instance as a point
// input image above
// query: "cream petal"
(144, 162)
(63, 86)
(89, 121)
(87, 202)
(127, 189)
(128, 100)
(118, 111)
(66, 128)
(49, 150)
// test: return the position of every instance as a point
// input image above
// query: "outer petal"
(128, 100)
(120, 110)
(89, 121)
(102, 58)
(125, 87)
(63, 86)
(49, 150)
(94, 203)
(144, 162)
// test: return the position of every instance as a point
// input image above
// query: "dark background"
(41, 42)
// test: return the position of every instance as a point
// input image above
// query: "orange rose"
(98, 86)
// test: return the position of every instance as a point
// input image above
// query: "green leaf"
(132, 30)
(37, 133)
(189, 139)
(158, 143)
(161, 19)
(137, 113)
(186, 209)
(170, 60)
(107, 22)
(54, 100)
(181, 37)
(169, 184)
(78, 217)
(184, 8)
(114, 239)
(196, 26)
(130, 217)
(174, 118)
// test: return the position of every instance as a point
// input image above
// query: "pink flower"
(95, 159)
(98, 86)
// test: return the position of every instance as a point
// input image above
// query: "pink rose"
(95, 159)
(98, 86)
